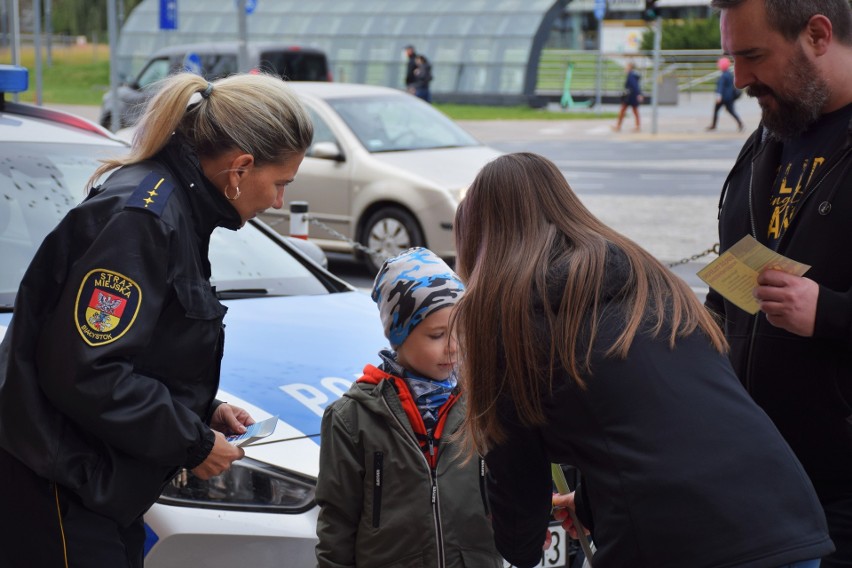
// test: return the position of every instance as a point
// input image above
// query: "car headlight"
(249, 485)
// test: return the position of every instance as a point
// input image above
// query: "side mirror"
(327, 151)
(309, 249)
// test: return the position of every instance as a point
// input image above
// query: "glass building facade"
(483, 51)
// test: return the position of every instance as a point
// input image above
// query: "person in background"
(410, 67)
(423, 76)
(110, 366)
(790, 189)
(631, 97)
(393, 489)
(726, 94)
(578, 347)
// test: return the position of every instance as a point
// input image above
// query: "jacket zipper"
(433, 477)
(482, 489)
(753, 336)
(436, 509)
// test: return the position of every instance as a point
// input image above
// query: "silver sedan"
(385, 172)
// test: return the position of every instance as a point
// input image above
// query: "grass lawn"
(79, 75)
(476, 112)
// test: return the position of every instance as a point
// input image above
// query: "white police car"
(297, 338)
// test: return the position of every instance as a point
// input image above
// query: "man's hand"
(230, 419)
(788, 301)
(220, 458)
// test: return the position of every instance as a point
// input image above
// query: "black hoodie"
(803, 383)
(679, 466)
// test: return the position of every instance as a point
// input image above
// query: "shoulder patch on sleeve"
(107, 305)
(151, 195)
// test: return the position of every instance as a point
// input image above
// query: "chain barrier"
(338, 235)
(382, 257)
(712, 250)
(353, 243)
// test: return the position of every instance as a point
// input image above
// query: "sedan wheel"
(389, 232)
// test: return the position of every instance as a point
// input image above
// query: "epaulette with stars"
(151, 195)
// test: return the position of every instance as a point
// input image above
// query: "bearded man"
(791, 189)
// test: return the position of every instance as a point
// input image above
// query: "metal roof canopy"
(484, 51)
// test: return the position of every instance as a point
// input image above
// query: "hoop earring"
(236, 195)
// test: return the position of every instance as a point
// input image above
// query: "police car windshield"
(41, 182)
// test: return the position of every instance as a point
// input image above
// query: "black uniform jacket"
(110, 366)
(804, 384)
(679, 466)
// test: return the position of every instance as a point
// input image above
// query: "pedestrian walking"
(410, 67)
(726, 94)
(631, 97)
(422, 78)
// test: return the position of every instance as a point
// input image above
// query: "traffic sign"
(251, 6)
(600, 9)
(192, 63)
(168, 15)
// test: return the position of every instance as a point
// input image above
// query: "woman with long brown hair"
(578, 347)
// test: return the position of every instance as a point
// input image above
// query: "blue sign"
(192, 63)
(251, 6)
(168, 15)
(600, 9)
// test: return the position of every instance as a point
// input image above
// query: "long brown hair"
(518, 219)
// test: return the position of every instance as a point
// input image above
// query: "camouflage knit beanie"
(411, 286)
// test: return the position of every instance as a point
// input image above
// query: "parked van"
(212, 61)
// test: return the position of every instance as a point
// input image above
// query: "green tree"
(84, 17)
(686, 34)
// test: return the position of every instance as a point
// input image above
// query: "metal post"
(599, 78)
(37, 49)
(658, 40)
(4, 24)
(243, 35)
(16, 38)
(299, 219)
(112, 30)
(48, 28)
(600, 12)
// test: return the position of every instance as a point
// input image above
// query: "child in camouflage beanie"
(390, 439)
